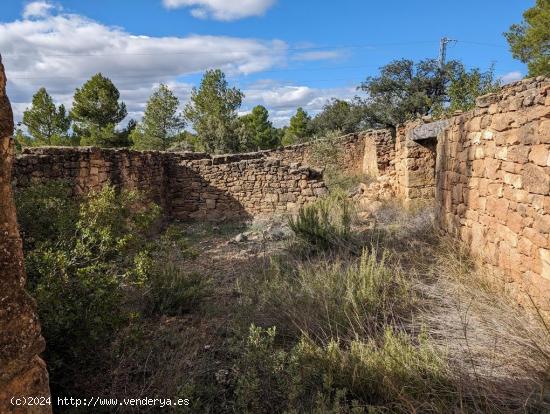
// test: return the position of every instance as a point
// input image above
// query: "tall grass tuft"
(334, 299)
(326, 223)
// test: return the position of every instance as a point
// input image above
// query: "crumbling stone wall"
(493, 184)
(350, 161)
(414, 165)
(186, 185)
(22, 372)
(200, 186)
(214, 189)
(378, 153)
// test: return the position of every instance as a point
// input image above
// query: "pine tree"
(256, 132)
(530, 40)
(46, 123)
(96, 112)
(213, 112)
(299, 129)
(161, 123)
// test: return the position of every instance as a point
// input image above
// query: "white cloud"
(511, 77)
(37, 9)
(224, 10)
(282, 100)
(320, 55)
(61, 51)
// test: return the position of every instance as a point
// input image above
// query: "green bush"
(324, 224)
(77, 272)
(46, 213)
(392, 374)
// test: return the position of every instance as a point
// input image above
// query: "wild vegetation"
(328, 311)
(94, 267)
(530, 40)
(334, 310)
(424, 89)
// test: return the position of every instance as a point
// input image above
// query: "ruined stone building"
(486, 173)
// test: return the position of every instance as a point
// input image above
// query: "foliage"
(332, 298)
(167, 289)
(174, 292)
(325, 154)
(96, 111)
(256, 131)
(213, 112)
(466, 86)
(187, 141)
(338, 115)
(105, 137)
(161, 122)
(123, 136)
(363, 376)
(47, 124)
(299, 129)
(46, 214)
(324, 224)
(403, 91)
(76, 272)
(530, 40)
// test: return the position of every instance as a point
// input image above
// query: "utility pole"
(443, 51)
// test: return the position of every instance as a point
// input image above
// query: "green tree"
(465, 86)
(96, 111)
(161, 124)
(213, 112)
(530, 40)
(405, 90)
(299, 129)
(338, 115)
(256, 131)
(46, 123)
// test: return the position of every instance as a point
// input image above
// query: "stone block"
(540, 155)
(544, 256)
(536, 179)
(518, 153)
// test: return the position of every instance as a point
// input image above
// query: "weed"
(325, 224)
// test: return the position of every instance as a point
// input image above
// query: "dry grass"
(498, 352)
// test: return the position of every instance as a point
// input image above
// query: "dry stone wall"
(22, 372)
(493, 184)
(414, 165)
(186, 185)
(351, 149)
(201, 186)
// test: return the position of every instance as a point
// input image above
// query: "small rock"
(241, 237)
(222, 376)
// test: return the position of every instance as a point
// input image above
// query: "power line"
(184, 52)
(171, 75)
(233, 51)
(442, 56)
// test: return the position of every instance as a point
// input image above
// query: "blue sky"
(281, 53)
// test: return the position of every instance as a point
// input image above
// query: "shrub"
(335, 299)
(112, 223)
(263, 375)
(77, 273)
(325, 223)
(392, 374)
(172, 291)
(46, 213)
(168, 290)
